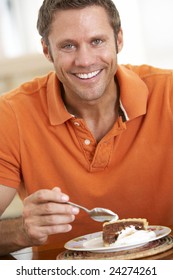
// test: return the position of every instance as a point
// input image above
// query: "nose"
(84, 57)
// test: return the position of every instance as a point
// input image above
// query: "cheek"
(63, 62)
(110, 59)
(62, 68)
(109, 54)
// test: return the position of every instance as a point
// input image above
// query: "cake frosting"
(131, 235)
(126, 231)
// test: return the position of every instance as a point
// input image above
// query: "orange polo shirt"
(130, 171)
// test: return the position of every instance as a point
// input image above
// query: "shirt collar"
(133, 93)
(133, 96)
(56, 108)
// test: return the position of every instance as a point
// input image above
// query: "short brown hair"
(49, 7)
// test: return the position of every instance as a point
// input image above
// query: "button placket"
(102, 155)
(85, 138)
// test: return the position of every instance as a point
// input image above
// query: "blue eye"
(97, 42)
(69, 46)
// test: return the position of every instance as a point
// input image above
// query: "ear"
(46, 50)
(120, 41)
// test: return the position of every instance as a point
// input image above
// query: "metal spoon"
(98, 214)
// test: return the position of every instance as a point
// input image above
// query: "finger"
(39, 235)
(49, 208)
(57, 208)
(57, 229)
(51, 220)
(57, 189)
(45, 195)
(63, 197)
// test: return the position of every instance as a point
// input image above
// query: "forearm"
(12, 236)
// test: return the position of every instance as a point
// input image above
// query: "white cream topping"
(130, 235)
(87, 75)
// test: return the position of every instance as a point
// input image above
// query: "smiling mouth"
(85, 76)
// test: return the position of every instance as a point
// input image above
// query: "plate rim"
(111, 249)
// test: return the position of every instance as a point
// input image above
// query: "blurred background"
(148, 39)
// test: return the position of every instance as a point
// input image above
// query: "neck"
(99, 115)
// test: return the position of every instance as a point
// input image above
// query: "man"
(96, 133)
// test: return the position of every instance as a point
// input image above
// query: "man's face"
(83, 49)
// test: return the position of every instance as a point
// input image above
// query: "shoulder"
(29, 96)
(29, 88)
(157, 80)
(146, 71)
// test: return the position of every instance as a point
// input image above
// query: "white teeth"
(88, 75)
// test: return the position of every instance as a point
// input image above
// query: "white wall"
(148, 32)
(18, 33)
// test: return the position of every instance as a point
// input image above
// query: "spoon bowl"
(98, 214)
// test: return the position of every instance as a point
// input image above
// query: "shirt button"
(87, 142)
(76, 123)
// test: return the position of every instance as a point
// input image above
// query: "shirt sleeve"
(10, 170)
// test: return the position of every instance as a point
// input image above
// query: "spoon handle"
(78, 206)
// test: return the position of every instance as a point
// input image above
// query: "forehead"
(75, 22)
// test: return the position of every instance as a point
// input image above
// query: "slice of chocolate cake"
(111, 230)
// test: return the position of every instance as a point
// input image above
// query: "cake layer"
(111, 230)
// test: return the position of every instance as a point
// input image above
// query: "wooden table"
(52, 254)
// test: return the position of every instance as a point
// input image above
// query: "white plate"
(93, 242)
